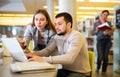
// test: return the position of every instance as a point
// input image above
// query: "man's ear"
(69, 24)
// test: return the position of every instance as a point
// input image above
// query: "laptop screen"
(15, 49)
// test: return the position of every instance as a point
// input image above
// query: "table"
(6, 72)
(1, 55)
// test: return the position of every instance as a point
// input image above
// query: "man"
(71, 46)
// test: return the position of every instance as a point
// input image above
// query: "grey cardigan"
(31, 33)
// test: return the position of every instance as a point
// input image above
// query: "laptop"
(21, 63)
(15, 49)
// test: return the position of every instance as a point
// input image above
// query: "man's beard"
(62, 33)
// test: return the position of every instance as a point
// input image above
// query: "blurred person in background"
(103, 41)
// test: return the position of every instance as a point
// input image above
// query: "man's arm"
(73, 49)
(48, 50)
(38, 55)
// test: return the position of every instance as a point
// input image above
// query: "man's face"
(60, 26)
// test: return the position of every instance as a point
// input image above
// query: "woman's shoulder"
(30, 27)
(97, 21)
(49, 32)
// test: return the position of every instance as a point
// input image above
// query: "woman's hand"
(23, 44)
(27, 50)
(109, 32)
(97, 29)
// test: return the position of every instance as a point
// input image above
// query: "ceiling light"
(86, 13)
(95, 8)
(88, 8)
(79, 0)
(16, 15)
(103, 8)
(85, 16)
(112, 1)
(45, 7)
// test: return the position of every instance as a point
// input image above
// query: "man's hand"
(34, 57)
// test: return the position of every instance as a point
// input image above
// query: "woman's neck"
(41, 30)
(102, 20)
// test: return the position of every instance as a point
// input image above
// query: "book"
(104, 26)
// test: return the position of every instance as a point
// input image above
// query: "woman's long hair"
(50, 25)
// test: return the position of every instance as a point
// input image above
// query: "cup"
(1, 56)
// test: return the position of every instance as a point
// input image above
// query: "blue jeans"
(67, 73)
(103, 48)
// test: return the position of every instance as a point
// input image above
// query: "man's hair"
(105, 11)
(67, 17)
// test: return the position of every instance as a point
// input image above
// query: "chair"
(91, 60)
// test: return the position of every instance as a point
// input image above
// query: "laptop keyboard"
(29, 66)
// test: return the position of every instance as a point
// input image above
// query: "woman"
(41, 31)
(103, 41)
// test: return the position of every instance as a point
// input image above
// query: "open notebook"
(22, 63)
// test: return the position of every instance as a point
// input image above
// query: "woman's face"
(104, 15)
(40, 21)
